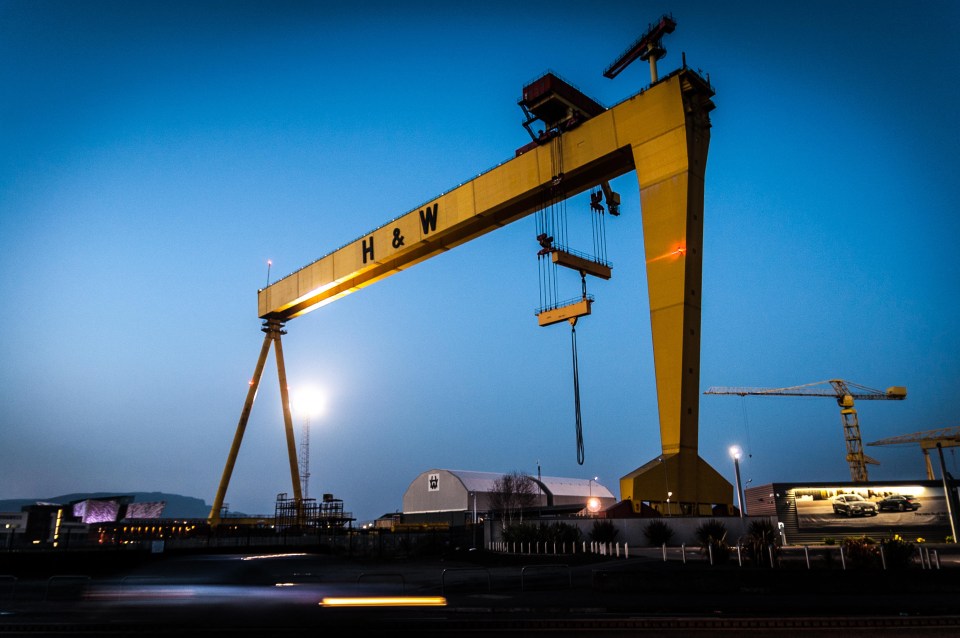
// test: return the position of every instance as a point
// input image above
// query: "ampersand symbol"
(397, 238)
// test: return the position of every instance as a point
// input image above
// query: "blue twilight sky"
(155, 155)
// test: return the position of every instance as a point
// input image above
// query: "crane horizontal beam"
(943, 435)
(833, 388)
(648, 44)
(598, 150)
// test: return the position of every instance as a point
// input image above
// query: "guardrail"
(773, 556)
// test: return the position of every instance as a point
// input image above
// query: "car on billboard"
(853, 505)
(899, 502)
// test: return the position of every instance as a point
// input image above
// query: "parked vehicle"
(853, 505)
(899, 502)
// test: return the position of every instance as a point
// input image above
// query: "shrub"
(604, 532)
(861, 552)
(658, 533)
(560, 533)
(897, 552)
(829, 540)
(521, 533)
(761, 534)
(712, 536)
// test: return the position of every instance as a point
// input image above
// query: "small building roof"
(558, 486)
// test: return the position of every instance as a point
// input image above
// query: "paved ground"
(282, 594)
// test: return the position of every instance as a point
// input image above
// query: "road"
(286, 593)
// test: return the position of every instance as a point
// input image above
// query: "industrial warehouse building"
(456, 496)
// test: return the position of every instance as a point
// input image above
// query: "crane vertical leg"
(214, 516)
(670, 169)
(926, 459)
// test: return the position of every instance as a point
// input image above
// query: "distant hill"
(177, 506)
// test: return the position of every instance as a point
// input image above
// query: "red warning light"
(679, 251)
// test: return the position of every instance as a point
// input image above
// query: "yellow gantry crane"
(845, 393)
(662, 134)
(928, 440)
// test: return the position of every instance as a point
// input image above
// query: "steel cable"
(576, 394)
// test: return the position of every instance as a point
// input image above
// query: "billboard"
(905, 508)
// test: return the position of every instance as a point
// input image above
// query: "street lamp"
(736, 453)
(666, 484)
(593, 504)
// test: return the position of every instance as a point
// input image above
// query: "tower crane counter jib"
(845, 393)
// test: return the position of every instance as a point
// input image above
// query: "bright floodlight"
(736, 452)
(593, 504)
(310, 402)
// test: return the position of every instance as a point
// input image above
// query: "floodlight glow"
(736, 452)
(593, 504)
(310, 402)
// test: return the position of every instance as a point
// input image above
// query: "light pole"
(474, 526)
(736, 453)
(666, 484)
(947, 492)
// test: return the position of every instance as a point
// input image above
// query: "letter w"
(428, 219)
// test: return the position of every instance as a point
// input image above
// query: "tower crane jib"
(845, 393)
(927, 440)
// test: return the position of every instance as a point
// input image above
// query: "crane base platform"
(678, 484)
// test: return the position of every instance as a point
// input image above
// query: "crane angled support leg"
(287, 417)
(214, 516)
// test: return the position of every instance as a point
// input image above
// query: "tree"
(511, 494)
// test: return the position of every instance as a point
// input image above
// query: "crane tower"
(305, 459)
